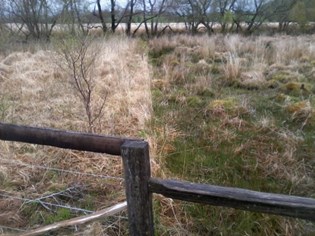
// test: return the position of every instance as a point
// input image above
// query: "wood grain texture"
(136, 162)
(279, 204)
(62, 139)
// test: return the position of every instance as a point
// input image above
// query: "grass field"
(38, 89)
(235, 111)
(226, 110)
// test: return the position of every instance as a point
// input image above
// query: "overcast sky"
(123, 2)
(107, 2)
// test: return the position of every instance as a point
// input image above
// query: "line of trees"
(38, 18)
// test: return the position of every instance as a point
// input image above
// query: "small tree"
(38, 16)
(224, 9)
(117, 14)
(130, 14)
(152, 11)
(195, 14)
(79, 57)
(74, 16)
(100, 16)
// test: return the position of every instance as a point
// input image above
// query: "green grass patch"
(60, 215)
(234, 136)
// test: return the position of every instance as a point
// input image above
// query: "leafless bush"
(79, 59)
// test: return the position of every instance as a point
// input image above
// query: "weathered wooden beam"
(136, 163)
(285, 205)
(62, 139)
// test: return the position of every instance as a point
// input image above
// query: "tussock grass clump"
(220, 106)
(253, 80)
(297, 89)
(300, 110)
(291, 49)
(232, 68)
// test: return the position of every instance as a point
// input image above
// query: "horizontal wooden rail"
(62, 139)
(298, 207)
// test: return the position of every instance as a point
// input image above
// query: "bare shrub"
(79, 59)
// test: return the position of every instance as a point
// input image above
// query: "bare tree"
(100, 15)
(74, 14)
(255, 12)
(246, 15)
(4, 30)
(224, 8)
(80, 58)
(39, 16)
(280, 11)
(113, 15)
(130, 13)
(196, 13)
(2, 16)
(117, 14)
(257, 16)
(2, 11)
(152, 11)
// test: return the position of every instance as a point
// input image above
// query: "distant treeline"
(38, 18)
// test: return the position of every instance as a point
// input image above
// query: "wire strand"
(10, 228)
(60, 170)
(27, 200)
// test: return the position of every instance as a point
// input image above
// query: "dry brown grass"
(232, 69)
(190, 69)
(43, 95)
(36, 92)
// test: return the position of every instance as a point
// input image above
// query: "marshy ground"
(226, 110)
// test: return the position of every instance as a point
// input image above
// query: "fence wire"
(50, 201)
(31, 166)
(44, 203)
(10, 229)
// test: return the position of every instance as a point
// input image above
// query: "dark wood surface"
(298, 207)
(136, 162)
(62, 139)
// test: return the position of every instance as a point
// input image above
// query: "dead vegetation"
(36, 91)
(227, 110)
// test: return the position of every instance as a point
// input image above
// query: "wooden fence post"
(136, 161)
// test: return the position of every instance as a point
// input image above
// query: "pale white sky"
(122, 2)
(119, 2)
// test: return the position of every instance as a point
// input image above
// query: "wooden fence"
(140, 185)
